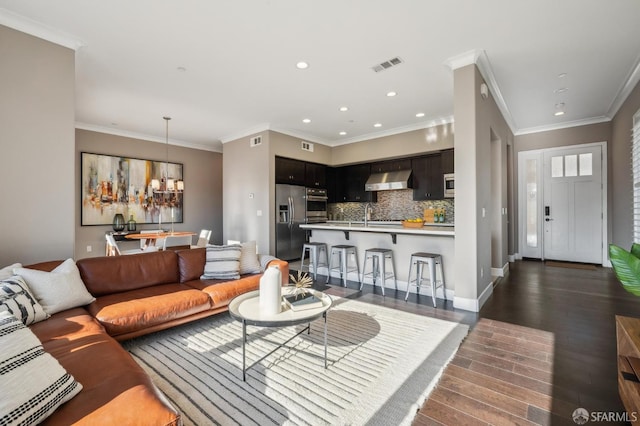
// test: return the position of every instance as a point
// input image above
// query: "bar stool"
(343, 252)
(314, 250)
(431, 260)
(379, 257)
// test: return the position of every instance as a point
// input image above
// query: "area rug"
(382, 364)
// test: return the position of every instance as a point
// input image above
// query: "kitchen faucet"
(367, 212)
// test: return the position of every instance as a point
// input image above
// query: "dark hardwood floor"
(570, 312)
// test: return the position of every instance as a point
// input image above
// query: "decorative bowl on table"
(413, 223)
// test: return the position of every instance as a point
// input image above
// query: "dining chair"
(203, 239)
(181, 241)
(148, 244)
(114, 250)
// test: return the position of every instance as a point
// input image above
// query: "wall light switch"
(251, 195)
(89, 248)
(484, 212)
(259, 212)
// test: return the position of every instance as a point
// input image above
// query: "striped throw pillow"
(16, 298)
(249, 263)
(35, 383)
(222, 262)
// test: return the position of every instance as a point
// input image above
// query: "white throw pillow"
(58, 290)
(7, 271)
(223, 262)
(16, 298)
(34, 383)
(249, 263)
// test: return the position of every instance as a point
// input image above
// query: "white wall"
(37, 141)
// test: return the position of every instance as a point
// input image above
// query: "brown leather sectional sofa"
(135, 295)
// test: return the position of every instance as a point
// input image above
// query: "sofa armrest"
(267, 260)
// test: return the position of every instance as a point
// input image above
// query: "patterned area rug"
(382, 364)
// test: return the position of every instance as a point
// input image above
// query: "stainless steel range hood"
(400, 179)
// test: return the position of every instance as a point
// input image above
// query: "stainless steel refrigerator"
(290, 214)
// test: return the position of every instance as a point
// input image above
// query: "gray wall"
(37, 141)
(620, 176)
(415, 142)
(480, 131)
(202, 177)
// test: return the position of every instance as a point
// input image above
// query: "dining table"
(150, 238)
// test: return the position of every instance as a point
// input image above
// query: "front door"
(572, 204)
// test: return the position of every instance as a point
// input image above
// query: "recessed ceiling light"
(306, 120)
(562, 75)
(561, 90)
(181, 69)
(391, 94)
(559, 109)
(377, 125)
(344, 108)
(558, 113)
(420, 114)
(343, 133)
(302, 65)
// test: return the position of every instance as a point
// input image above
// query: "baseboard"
(500, 272)
(473, 305)
(514, 257)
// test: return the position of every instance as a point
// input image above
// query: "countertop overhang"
(442, 231)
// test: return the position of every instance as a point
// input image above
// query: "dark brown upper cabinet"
(428, 183)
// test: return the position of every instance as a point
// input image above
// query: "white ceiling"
(240, 61)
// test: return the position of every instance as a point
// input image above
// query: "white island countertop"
(435, 230)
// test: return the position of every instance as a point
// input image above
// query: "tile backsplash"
(391, 205)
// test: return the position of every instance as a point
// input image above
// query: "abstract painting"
(146, 191)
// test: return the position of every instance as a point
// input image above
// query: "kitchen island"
(432, 238)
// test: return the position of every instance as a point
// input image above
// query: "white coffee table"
(246, 308)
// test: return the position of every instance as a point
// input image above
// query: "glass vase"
(118, 222)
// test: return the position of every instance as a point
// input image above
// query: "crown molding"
(395, 131)
(481, 60)
(38, 29)
(463, 59)
(630, 83)
(564, 125)
(143, 136)
(245, 133)
(484, 66)
(301, 135)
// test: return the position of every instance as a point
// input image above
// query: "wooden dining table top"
(157, 235)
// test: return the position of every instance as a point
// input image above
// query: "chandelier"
(168, 183)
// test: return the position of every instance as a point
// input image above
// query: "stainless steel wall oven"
(316, 203)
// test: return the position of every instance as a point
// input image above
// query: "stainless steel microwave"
(449, 185)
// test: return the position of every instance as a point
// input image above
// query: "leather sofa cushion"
(138, 309)
(108, 275)
(115, 389)
(221, 291)
(191, 263)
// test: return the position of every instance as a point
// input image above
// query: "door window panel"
(532, 203)
(557, 168)
(586, 164)
(570, 165)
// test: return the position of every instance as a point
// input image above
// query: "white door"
(572, 206)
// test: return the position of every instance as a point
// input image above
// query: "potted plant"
(626, 265)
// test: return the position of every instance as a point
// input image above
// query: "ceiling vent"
(255, 141)
(387, 64)
(306, 146)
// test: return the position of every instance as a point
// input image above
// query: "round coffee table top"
(246, 307)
